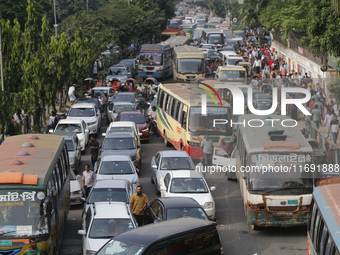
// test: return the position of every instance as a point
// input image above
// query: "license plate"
(5, 243)
(292, 202)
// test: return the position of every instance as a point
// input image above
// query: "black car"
(188, 236)
(169, 208)
(211, 55)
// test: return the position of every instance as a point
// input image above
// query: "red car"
(138, 118)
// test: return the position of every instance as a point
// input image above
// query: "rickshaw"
(89, 84)
(114, 83)
(243, 53)
(152, 82)
(247, 66)
(256, 81)
(218, 62)
(133, 82)
(266, 87)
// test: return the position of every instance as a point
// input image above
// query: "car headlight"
(89, 252)
(91, 123)
(145, 130)
(78, 192)
(208, 205)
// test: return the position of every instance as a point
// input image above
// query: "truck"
(238, 31)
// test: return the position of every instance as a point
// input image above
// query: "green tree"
(250, 12)
(219, 7)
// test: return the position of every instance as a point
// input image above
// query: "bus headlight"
(208, 205)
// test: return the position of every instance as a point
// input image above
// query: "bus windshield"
(190, 65)
(205, 123)
(151, 58)
(215, 38)
(282, 178)
(238, 34)
(22, 213)
(232, 75)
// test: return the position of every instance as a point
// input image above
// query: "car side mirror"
(79, 147)
(137, 170)
(214, 219)
(83, 200)
(138, 146)
(163, 189)
(81, 232)
(154, 166)
(103, 134)
(212, 188)
(87, 131)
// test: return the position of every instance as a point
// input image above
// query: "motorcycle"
(153, 126)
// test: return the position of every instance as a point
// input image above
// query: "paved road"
(237, 238)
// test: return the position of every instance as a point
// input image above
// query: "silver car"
(114, 108)
(165, 161)
(118, 72)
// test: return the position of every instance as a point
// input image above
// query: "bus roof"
(257, 139)
(190, 93)
(154, 47)
(187, 51)
(328, 200)
(212, 30)
(23, 159)
(177, 40)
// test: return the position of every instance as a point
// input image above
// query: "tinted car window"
(105, 228)
(119, 144)
(136, 118)
(121, 108)
(116, 167)
(108, 194)
(82, 112)
(70, 145)
(175, 213)
(73, 128)
(176, 163)
(124, 98)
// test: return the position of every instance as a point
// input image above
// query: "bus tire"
(166, 142)
(254, 227)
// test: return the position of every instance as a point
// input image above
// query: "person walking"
(138, 203)
(72, 93)
(53, 122)
(328, 118)
(33, 249)
(94, 145)
(334, 128)
(207, 146)
(142, 104)
(89, 177)
(316, 113)
(95, 69)
(105, 99)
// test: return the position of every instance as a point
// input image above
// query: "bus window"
(329, 246)
(319, 235)
(168, 107)
(323, 240)
(316, 228)
(177, 107)
(313, 221)
(160, 99)
(180, 113)
(310, 216)
(165, 102)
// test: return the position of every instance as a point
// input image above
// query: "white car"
(76, 190)
(123, 125)
(103, 221)
(88, 113)
(221, 158)
(186, 183)
(169, 160)
(77, 126)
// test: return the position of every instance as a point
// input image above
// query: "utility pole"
(55, 19)
(87, 7)
(1, 64)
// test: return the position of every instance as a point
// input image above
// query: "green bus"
(34, 192)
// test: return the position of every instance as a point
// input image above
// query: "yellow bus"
(34, 192)
(188, 63)
(180, 120)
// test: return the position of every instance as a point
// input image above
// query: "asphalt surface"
(236, 236)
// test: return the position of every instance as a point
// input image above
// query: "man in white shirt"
(72, 93)
(89, 177)
(207, 146)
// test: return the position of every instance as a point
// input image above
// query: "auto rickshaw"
(132, 83)
(89, 84)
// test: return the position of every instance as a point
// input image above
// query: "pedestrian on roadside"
(207, 146)
(95, 69)
(334, 128)
(316, 113)
(72, 93)
(138, 203)
(105, 99)
(89, 177)
(94, 146)
(33, 249)
(53, 122)
(328, 118)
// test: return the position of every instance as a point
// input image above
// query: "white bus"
(213, 36)
(272, 170)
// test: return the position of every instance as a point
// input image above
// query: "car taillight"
(221, 249)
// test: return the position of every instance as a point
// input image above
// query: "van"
(224, 55)
(178, 236)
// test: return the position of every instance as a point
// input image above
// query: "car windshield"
(74, 128)
(116, 167)
(151, 58)
(212, 54)
(119, 144)
(136, 118)
(176, 163)
(82, 112)
(188, 185)
(233, 61)
(121, 108)
(190, 65)
(215, 38)
(70, 145)
(117, 72)
(232, 75)
(106, 228)
(121, 128)
(124, 98)
(121, 248)
(108, 194)
(195, 212)
(22, 213)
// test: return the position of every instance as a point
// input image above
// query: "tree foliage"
(250, 12)
(219, 7)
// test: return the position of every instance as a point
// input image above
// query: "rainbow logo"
(209, 93)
